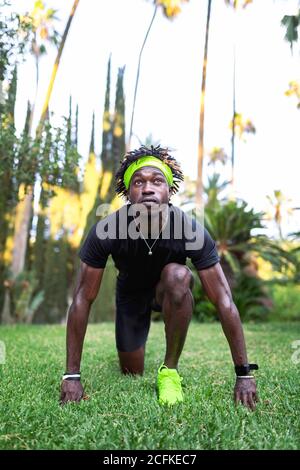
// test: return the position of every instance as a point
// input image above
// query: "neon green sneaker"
(169, 386)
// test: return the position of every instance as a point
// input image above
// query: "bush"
(286, 302)
(249, 295)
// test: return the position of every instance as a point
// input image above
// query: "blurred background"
(216, 81)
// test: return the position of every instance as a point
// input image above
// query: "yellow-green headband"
(148, 160)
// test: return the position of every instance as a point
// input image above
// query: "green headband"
(148, 160)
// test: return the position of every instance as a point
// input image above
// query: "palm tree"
(41, 22)
(138, 75)
(57, 61)
(217, 155)
(279, 205)
(171, 8)
(235, 4)
(232, 225)
(213, 188)
(199, 185)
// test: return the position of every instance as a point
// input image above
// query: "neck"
(152, 223)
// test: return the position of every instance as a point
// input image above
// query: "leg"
(174, 294)
(132, 362)
(133, 317)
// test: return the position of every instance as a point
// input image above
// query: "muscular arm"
(86, 290)
(218, 291)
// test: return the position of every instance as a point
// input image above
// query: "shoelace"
(174, 381)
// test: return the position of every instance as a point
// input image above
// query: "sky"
(168, 99)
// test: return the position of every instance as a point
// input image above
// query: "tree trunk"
(57, 61)
(23, 218)
(233, 125)
(199, 183)
(137, 77)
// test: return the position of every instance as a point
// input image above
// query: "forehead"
(148, 171)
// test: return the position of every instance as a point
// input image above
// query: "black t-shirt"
(138, 270)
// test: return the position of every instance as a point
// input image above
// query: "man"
(150, 257)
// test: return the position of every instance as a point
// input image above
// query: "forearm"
(76, 329)
(232, 327)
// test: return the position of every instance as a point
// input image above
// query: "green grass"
(123, 412)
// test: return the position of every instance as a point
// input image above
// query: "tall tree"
(236, 5)
(199, 185)
(138, 74)
(43, 32)
(280, 206)
(21, 232)
(171, 8)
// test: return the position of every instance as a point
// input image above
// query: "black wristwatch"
(245, 369)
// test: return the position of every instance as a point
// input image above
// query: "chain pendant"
(150, 253)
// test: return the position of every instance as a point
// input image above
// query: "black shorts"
(133, 318)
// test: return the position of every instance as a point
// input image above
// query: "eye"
(137, 182)
(158, 181)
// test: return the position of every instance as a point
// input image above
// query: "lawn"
(123, 413)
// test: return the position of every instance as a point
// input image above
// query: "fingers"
(69, 397)
(247, 399)
(62, 397)
(237, 397)
(244, 399)
(251, 402)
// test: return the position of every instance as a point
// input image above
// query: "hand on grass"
(245, 392)
(71, 390)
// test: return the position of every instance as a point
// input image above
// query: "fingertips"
(251, 403)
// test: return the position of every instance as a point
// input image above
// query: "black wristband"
(245, 369)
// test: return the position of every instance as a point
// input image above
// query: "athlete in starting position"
(152, 276)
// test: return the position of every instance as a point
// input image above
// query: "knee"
(132, 363)
(176, 275)
(177, 280)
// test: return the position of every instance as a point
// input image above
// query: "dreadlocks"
(158, 152)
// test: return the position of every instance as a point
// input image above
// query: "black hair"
(158, 152)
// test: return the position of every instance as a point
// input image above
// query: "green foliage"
(27, 301)
(55, 282)
(113, 144)
(13, 42)
(249, 295)
(251, 298)
(291, 23)
(213, 188)
(286, 302)
(50, 155)
(232, 224)
(103, 309)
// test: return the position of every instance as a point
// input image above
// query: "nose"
(147, 188)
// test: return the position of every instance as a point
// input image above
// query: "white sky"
(168, 99)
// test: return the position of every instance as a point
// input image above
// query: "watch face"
(242, 370)
(245, 369)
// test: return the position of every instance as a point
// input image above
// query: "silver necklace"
(150, 247)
